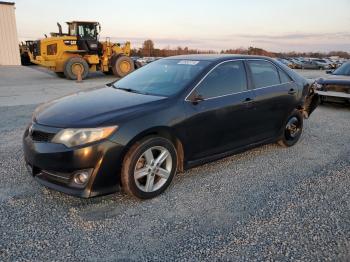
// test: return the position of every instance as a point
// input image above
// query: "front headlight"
(79, 136)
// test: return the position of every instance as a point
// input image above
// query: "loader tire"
(122, 66)
(25, 60)
(72, 66)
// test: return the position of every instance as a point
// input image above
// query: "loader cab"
(87, 35)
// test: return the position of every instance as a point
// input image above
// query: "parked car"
(136, 62)
(285, 62)
(322, 64)
(167, 116)
(146, 60)
(335, 87)
(142, 61)
(310, 65)
(332, 64)
(296, 64)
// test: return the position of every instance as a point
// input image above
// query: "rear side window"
(263, 73)
(284, 77)
(227, 78)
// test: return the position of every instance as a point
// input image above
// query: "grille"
(40, 136)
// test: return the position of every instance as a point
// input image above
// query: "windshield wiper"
(126, 89)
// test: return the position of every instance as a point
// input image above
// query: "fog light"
(81, 177)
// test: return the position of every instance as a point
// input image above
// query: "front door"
(221, 112)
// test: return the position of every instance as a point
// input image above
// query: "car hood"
(92, 108)
(334, 80)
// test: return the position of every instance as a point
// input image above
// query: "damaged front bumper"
(333, 92)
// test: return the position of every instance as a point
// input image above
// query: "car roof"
(216, 57)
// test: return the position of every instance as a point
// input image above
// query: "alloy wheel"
(153, 169)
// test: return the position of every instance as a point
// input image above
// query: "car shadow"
(119, 204)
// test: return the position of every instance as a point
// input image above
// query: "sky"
(275, 25)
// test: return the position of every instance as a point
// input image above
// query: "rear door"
(221, 108)
(275, 97)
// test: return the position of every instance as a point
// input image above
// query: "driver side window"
(81, 31)
(228, 78)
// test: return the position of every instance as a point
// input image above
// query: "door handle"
(248, 100)
(292, 92)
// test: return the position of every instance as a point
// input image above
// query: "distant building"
(9, 49)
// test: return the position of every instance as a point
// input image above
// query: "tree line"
(148, 49)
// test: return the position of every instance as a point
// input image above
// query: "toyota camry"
(135, 134)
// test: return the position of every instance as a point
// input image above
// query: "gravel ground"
(26, 85)
(269, 203)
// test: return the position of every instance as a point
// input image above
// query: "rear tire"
(149, 167)
(122, 65)
(25, 60)
(72, 66)
(292, 130)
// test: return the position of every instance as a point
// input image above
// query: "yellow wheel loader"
(79, 52)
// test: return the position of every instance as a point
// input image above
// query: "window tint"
(227, 78)
(164, 77)
(284, 77)
(264, 74)
(87, 31)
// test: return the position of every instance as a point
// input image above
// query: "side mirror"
(196, 98)
(329, 72)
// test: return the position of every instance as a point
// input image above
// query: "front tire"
(149, 167)
(73, 65)
(122, 65)
(292, 130)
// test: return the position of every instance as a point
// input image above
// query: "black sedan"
(166, 117)
(335, 87)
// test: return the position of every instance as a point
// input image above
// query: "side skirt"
(201, 161)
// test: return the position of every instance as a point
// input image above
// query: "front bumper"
(334, 94)
(54, 166)
(332, 90)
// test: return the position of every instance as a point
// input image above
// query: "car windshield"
(343, 70)
(164, 77)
